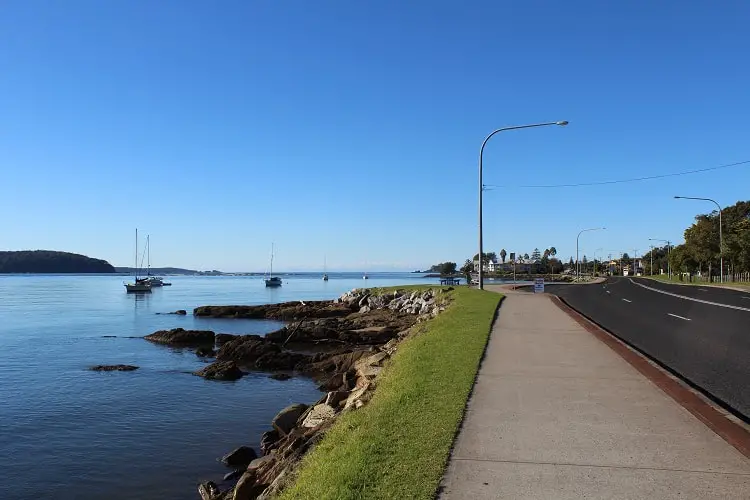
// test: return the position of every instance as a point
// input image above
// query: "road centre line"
(675, 316)
(738, 308)
(626, 300)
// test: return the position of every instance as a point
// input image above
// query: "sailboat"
(139, 285)
(154, 281)
(272, 281)
(325, 274)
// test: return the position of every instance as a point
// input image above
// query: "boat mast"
(271, 275)
(148, 252)
(135, 269)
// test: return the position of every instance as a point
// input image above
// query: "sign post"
(538, 285)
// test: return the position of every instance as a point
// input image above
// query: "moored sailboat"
(139, 285)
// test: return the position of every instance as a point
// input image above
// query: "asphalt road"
(706, 344)
(708, 293)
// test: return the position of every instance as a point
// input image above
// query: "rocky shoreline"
(342, 344)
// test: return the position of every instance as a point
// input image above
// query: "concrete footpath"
(557, 414)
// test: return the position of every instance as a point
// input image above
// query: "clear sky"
(351, 130)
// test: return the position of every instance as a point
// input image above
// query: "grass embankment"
(666, 279)
(397, 445)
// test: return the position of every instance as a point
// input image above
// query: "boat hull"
(137, 288)
(273, 282)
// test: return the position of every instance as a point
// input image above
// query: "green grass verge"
(397, 445)
(664, 278)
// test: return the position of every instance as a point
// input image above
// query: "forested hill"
(49, 261)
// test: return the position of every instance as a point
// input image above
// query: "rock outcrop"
(221, 370)
(286, 419)
(286, 311)
(182, 337)
(240, 456)
(345, 344)
(113, 368)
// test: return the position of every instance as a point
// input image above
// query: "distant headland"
(50, 261)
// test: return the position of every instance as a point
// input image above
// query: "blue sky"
(351, 130)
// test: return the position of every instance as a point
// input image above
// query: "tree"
(503, 254)
(571, 263)
(487, 256)
(552, 251)
(625, 256)
(526, 256)
(536, 255)
(467, 269)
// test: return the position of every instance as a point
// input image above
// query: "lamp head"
(562, 123)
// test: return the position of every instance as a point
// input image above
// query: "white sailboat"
(154, 281)
(272, 281)
(139, 285)
(325, 274)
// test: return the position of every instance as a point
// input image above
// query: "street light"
(481, 185)
(578, 266)
(721, 242)
(669, 266)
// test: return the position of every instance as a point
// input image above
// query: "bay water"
(67, 432)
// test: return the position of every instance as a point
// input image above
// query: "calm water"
(70, 433)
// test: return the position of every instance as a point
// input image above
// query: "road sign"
(538, 285)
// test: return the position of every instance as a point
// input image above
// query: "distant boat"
(139, 285)
(325, 274)
(365, 277)
(272, 281)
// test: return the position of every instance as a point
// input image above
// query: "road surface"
(704, 342)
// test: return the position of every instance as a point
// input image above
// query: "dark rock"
(283, 360)
(180, 312)
(205, 352)
(208, 490)
(246, 349)
(286, 419)
(230, 476)
(222, 338)
(334, 398)
(221, 370)
(286, 311)
(182, 337)
(247, 489)
(280, 376)
(268, 440)
(242, 456)
(261, 463)
(113, 368)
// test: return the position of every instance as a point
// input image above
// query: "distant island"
(50, 261)
(169, 270)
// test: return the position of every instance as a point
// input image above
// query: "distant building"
(488, 266)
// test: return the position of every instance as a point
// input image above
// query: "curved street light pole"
(669, 266)
(721, 242)
(578, 266)
(481, 185)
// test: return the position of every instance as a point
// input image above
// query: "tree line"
(701, 252)
(48, 261)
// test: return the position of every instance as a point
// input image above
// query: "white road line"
(746, 298)
(738, 308)
(675, 316)
(626, 300)
(702, 290)
(608, 291)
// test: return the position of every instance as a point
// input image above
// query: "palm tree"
(503, 253)
(552, 251)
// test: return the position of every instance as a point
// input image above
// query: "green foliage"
(503, 254)
(486, 256)
(701, 251)
(444, 268)
(397, 445)
(48, 261)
